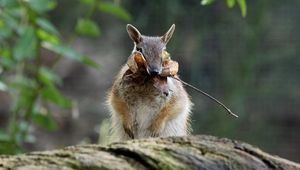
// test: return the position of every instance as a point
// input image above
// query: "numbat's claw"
(129, 132)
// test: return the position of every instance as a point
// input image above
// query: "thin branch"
(207, 95)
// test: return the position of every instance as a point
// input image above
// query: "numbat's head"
(152, 48)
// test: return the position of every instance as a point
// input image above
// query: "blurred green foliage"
(25, 31)
(251, 64)
(230, 4)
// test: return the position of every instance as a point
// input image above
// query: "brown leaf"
(170, 68)
(136, 62)
(140, 60)
(165, 56)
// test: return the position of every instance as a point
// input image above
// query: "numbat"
(144, 100)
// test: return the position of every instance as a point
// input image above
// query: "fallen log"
(191, 152)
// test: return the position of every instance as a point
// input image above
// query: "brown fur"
(143, 105)
(122, 109)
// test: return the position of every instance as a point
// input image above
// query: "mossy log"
(192, 152)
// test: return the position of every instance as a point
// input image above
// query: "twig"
(207, 95)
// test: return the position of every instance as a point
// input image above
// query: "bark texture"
(192, 152)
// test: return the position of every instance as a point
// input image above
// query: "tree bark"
(192, 152)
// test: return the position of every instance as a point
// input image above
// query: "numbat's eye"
(139, 49)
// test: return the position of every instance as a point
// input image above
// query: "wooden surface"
(193, 152)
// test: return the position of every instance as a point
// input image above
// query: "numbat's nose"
(154, 72)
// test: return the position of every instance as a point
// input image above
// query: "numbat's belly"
(144, 103)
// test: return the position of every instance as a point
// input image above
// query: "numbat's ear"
(134, 33)
(168, 35)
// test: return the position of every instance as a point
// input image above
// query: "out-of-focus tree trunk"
(193, 152)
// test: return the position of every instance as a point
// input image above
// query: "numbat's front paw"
(128, 131)
(170, 68)
(156, 128)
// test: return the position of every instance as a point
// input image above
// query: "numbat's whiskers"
(207, 95)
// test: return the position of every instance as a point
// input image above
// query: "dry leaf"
(136, 62)
(132, 64)
(165, 56)
(140, 60)
(170, 68)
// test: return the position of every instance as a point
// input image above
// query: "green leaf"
(15, 12)
(115, 10)
(87, 27)
(206, 2)
(243, 7)
(50, 93)
(26, 44)
(69, 53)
(5, 52)
(41, 6)
(10, 21)
(1, 23)
(45, 36)
(63, 50)
(9, 147)
(88, 2)
(5, 32)
(48, 77)
(47, 26)
(44, 120)
(21, 134)
(8, 3)
(6, 60)
(4, 136)
(26, 90)
(3, 86)
(23, 83)
(90, 62)
(230, 3)
(7, 63)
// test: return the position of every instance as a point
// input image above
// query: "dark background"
(252, 64)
